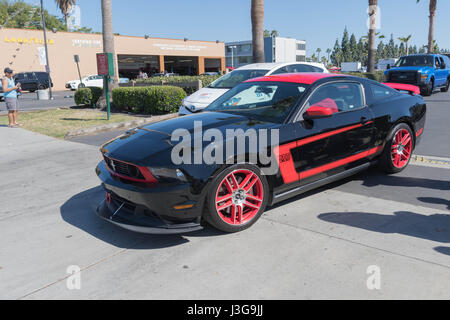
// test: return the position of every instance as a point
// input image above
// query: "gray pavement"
(318, 245)
(28, 101)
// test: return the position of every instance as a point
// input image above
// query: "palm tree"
(66, 6)
(257, 16)
(405, 40)
(108, 45)
(318, 53)
(328, 55)
(432, 8)
(373, 7)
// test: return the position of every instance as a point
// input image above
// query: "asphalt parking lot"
(323, 244)
(28, 101)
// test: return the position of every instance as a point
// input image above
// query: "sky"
(319, 22)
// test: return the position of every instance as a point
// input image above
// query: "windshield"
(232, 79)
(415, 61)
(266, 101)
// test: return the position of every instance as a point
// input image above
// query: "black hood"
(151, 144)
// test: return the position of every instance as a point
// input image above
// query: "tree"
(405, 40)
(336, 56)
(432, 9)
(108, 46)
(353, 48)
(373, 7)
(328, 55)
(257, 17)
(22, 15)
(66, 7)
(318, 53)
(274, 33)
(345, 47)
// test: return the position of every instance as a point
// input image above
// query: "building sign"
(178, 47)
(27, 40)
(87, 43)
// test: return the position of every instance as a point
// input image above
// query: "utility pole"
(47, 67)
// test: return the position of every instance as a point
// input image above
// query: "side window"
(437, 63)
(315, 69)
(299, 68)
(281, 70)
(380, 92)
(442, 63)
(339, 97)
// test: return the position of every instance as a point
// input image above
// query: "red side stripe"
(339, 163)
(418, 133)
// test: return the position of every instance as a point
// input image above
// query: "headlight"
(190, 107)
(164, 173)
(423, 77)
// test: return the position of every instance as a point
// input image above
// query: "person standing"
(10, 95)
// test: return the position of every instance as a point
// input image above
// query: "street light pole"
(46, 50)
(232, 55)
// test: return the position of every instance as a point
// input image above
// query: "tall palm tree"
(432, 8)
(66, 6)
(108, 45)
(373, 6)
(405, 40)
(257, 16)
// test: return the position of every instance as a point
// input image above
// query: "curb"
(119, 125)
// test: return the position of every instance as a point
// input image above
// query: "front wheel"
(237, 198)
(398, 150)
(428, 91)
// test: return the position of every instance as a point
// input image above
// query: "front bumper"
(149, 208)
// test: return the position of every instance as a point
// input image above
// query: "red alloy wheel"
(401, 148)
(239, 197)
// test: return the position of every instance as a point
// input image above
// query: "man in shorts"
(10, 95)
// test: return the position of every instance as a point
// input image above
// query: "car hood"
(151, 145)
(203, 97)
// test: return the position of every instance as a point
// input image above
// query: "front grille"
(124, 169)
(410, 77)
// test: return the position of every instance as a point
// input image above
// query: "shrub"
(377, 75)
(88, 96)
(148, 100)
(181, 81)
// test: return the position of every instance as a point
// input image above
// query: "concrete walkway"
(316, 246)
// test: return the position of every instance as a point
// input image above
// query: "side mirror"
(317, 112)
(443, 66)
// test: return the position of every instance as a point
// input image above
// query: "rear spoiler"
(404, 87)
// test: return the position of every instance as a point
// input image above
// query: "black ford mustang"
(317, 128)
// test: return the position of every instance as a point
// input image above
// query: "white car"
(203, 97)
(89, 81)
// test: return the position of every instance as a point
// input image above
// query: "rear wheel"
(447, 85)
(398, 150)
(237, 198)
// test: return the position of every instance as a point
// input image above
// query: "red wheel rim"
(239, 197)
(401, 148)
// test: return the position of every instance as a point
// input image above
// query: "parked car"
(168, 74)
(90, 81)
(427, 71)
(210, 74)
(384, 64)
(33, 80)
(329, 127)
(203, 97)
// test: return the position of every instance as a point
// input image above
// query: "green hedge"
(377, 75)
(88, 96)
(206, 81)
(148, 100)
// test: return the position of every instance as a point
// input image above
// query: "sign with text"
(105, 64)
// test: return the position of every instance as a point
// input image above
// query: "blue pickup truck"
(427, 71)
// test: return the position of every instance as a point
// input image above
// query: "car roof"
(274, 65)
(303, 77)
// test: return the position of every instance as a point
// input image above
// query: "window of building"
(301, 46)
(300, 58)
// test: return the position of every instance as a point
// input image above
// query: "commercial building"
(276, 49)
(23, 50)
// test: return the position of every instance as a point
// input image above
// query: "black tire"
(41, 87)
(387, 161)
(429, 89)
(81, 85)
(216, 219)
(447, 85)
(32, 91)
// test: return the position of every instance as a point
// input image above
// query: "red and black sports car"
(313, 128)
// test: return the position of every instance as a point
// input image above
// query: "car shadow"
(443, 250)
(433, 200)
(434, 227)
(79, 211)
